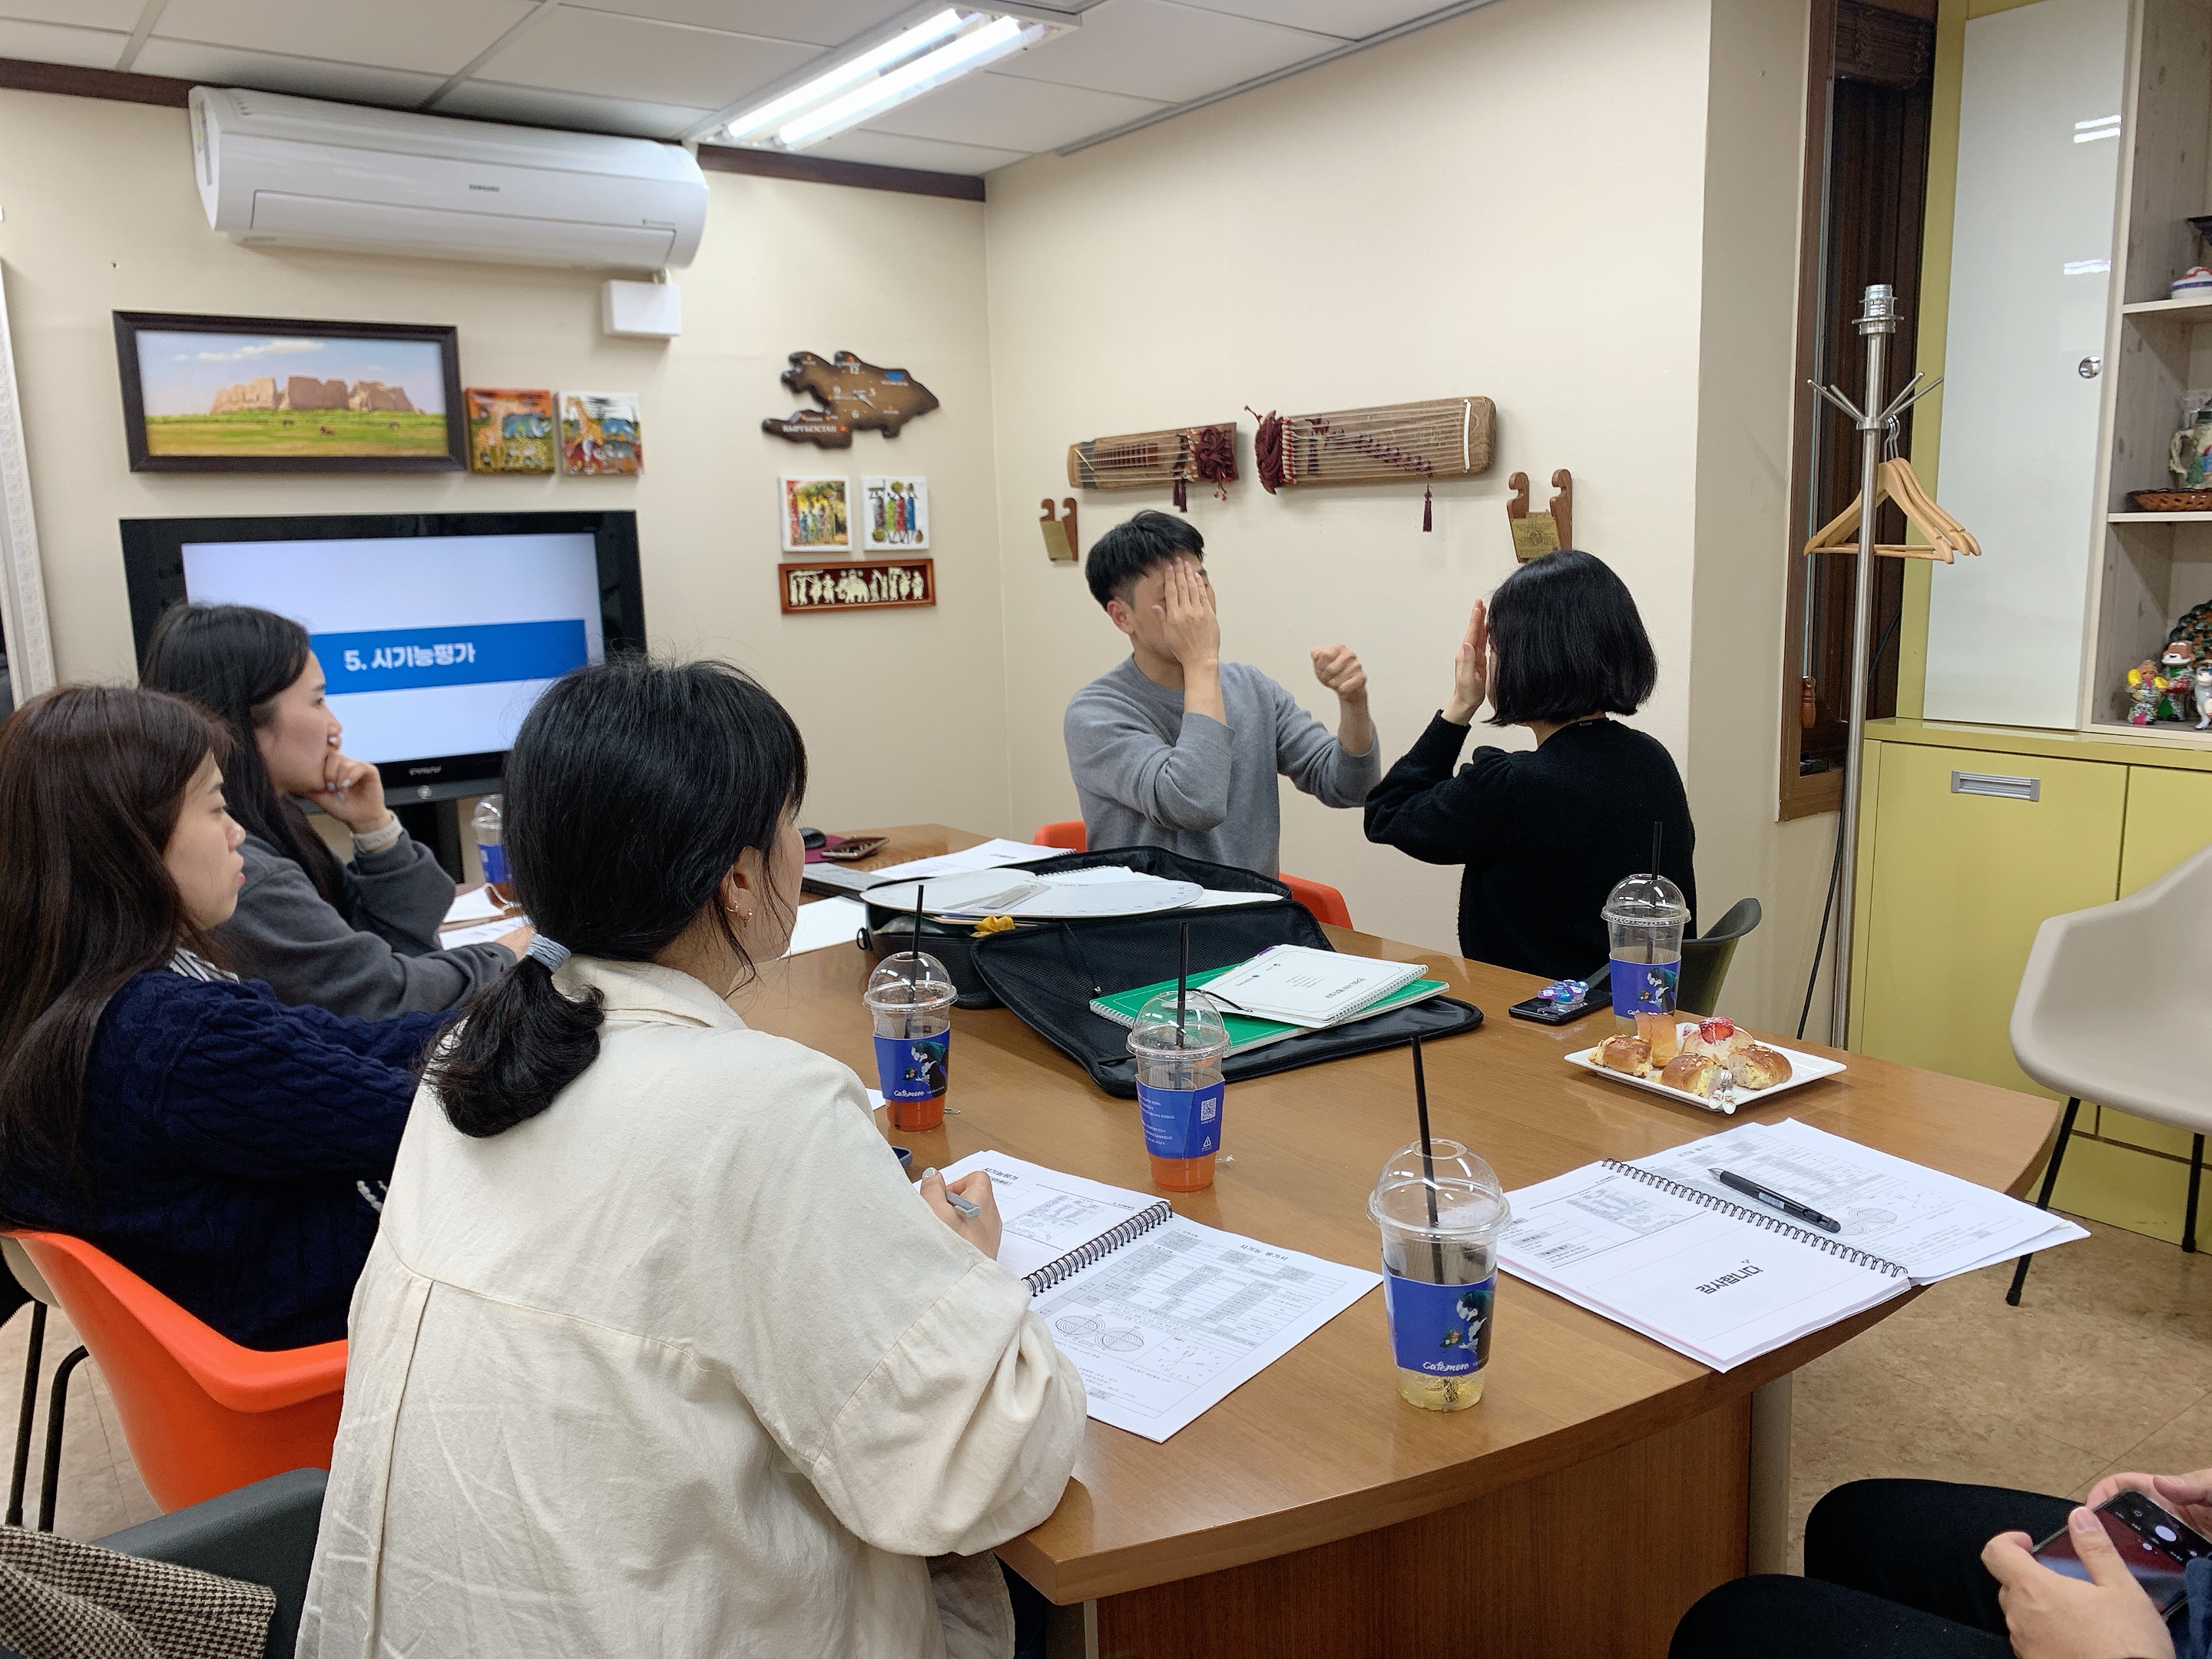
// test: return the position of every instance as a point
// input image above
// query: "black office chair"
(1705, 961)
(264, 1534)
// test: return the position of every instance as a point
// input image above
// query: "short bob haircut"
(1570, 643)
(1121, 557)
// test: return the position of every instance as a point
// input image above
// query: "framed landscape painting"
(267, 394)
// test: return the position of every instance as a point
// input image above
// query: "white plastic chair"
(2113, 1008)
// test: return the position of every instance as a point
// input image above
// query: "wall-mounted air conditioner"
(300, 173)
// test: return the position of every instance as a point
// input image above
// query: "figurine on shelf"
(2201, 678)
(2142, 692)
(2175, 664)
(2188, 454)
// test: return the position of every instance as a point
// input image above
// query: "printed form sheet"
(1044, 1214)
(1932, 1225)
(1172, 1323)
(1705, 1284)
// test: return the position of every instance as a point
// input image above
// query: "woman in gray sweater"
(359, 937)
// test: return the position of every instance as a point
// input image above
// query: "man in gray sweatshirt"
(1175, 748)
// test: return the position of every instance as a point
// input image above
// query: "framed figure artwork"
(894, 514)
(600, 434)
(811, 586)
(817, 515)
(274, 394)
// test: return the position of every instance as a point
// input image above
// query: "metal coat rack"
(1877, 321)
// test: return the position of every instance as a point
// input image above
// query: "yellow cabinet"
(2169, 817)
(1971, 852)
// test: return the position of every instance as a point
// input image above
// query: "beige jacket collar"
(649, 993)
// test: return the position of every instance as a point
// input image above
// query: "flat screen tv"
(436, 631)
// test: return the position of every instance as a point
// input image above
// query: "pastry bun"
(1693, 1074)
(1625, 1053)
(1759, 1067)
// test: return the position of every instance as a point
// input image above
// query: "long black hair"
(1570, 642)
(233, 660)
(91, 780)
(631, 790)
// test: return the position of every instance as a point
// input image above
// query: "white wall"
(98, 213)
(1513, 203)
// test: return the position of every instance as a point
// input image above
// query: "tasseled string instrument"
(1446, 438)
(1146, 460)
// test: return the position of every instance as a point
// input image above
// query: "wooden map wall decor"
(1146, 460)
(1392, 443)
(855, 396)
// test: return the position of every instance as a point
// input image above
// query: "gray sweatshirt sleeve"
(285, 933)
(1308, 754)
(1114, 753)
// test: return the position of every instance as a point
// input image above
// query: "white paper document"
(825, 922)
(482, 932)
(1163, 1317)
(1175, 1322)
(1933, 1225)
(478, 904)
(988, 855)
(1300, 986)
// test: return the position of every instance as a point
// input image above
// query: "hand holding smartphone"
(2157, 1546)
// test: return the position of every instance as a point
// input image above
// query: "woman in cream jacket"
(657, 1352)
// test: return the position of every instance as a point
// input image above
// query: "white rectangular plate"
(1803, 1068)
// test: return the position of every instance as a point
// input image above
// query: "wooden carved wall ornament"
(855, 396)
(1391, 443)
(1060, 545)
(1536, 534)
(1144, 460)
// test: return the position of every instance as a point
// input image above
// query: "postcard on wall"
(894, 513)
(259, 394)
(817, 515)
(509, 430)
(856, 584)
(601, 436)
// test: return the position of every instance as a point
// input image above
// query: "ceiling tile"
(49, 43)
(1003, 112)
(84, 14)
(1348, 20)
(308, 77)
(887, 149)
(657, 63)
(1155, 49)
(436, 37)
(539, 106)
(815, 22)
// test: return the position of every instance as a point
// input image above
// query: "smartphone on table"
(1553, 1010)
(2157, 1546)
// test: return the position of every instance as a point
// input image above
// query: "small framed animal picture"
(817, 515)
(509, 430)
(855, 584)
(600, 434)
(894, 514)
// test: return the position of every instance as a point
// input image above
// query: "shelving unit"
(2154, 565)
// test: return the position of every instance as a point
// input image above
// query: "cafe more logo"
(1741, 1273)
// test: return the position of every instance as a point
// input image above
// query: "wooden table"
(1601, 1484)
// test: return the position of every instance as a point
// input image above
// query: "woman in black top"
(1545, 833)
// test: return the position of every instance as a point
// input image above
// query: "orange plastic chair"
(1318, 896)
(1069, 835)
(202, 1415)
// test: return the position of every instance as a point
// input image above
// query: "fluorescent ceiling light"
(952, 43)
(2105, 126)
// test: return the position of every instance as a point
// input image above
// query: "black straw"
(1428, 1159)
(1183, 982)
(1658, 832)
(914, 979)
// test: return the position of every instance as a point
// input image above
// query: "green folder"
(1245, 1032)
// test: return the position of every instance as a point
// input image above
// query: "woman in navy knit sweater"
(228, 1149)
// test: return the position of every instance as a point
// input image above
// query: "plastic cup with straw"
(1645, 918)
(1440, 1209)
(909, 999)
(1179, 1042)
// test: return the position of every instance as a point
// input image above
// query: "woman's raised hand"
(1471, 669)
(352, 792)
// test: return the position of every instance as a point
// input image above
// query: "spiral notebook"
(1662, 1247)
(1164, 1317)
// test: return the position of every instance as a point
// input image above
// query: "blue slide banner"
(466, 654)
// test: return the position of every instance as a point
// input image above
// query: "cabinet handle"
(1995, 783)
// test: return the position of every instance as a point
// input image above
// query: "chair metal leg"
(2043, 1198)
(2196, 1173)
(57, 1411)
(33, 1354)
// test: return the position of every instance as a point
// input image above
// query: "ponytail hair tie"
(543, 950)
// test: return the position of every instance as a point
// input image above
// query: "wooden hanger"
(1896, 481)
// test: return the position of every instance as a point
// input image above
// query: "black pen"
(1787, 1206)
